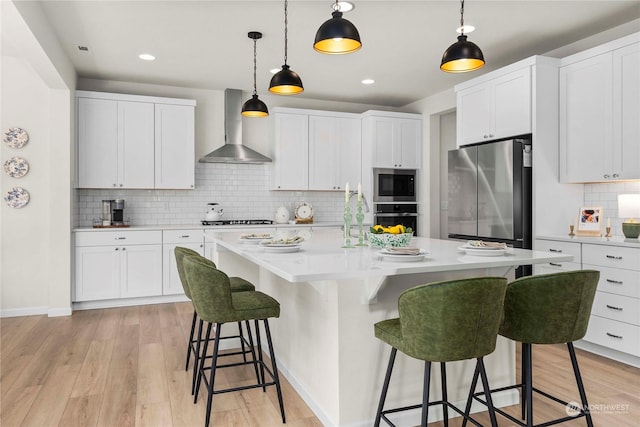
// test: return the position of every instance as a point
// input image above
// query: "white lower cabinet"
(191, 239)
(117, 264)
(558, 248)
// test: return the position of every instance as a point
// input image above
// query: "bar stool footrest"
(418, 406)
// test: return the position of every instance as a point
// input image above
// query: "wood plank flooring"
(124, 366)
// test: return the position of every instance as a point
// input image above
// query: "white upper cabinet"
(291, 140)
(334, 152)
(128, 141)
(175, 148)
(600, 113)
(315, 150)
(496, 108)
(395, 139)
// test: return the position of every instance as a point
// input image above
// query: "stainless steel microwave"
(394, 185)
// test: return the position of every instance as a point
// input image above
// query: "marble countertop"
(322, 257)
(607, 241)
(209, 227)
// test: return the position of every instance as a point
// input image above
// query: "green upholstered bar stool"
(216, 304)
(238, 284)
(548, 309)
(444, 322)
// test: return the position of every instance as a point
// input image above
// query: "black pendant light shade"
(254, 107)
(462, 56)
(337, 35)
(286, 81)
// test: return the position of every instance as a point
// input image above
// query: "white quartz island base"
(324, 338)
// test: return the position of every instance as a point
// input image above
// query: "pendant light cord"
(255, 68)
(285, 31)
(461, 17)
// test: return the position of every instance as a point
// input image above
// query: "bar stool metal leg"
(252, 350)
(487, 391)
(445, 407)
(276, 377)
(212, 374)
(528, 382)
(583, 395)
(190, 346)
(425, 393)
(196, 358)
(385, 386)
(259, 342)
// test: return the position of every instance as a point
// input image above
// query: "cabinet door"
(407, 144)
(171, 284)
(473, 114)
(512, 104)
(97, 273)
(97, 143)
(141, 273)
(135, 144)
(324, 153)
(174, 146)
(626, 111)
(382, 134)
(349, 152)
(586, 120)
(291, 134)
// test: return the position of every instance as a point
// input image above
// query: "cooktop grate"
(238, 222)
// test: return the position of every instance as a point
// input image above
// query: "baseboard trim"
(628, 359)
(25, 311)
(59, 312)
(127, 302)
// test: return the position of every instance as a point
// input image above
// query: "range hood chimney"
(233, 151)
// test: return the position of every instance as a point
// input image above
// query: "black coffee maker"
(117, 212)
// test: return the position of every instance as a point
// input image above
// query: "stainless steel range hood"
(233, 151)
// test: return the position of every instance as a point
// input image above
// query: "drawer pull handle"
(121, 238)
(614, 307)
(614, 336)
(184, 236)
(615, 282)
(613, 257)
(555, 250)
(554, 264)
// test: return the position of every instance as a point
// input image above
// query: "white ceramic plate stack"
(403, 254)
(255, 238)
(480, 248)
(282, 245)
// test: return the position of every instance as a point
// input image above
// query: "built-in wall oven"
(388, 214)
(394, 185)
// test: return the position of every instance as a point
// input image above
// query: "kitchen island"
(330, 298)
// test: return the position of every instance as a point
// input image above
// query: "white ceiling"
(204, 44)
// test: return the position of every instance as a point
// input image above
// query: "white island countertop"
(322, 257)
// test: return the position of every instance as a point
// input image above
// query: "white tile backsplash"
(606, 195)
(243, 191)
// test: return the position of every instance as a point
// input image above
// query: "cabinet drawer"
(560, 248)
(183, 236)
(617, 280)
(611, 256)
(556, 267)
(617, 307)
(612, 334)
(124, 237)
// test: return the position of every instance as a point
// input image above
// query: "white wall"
(35, 258)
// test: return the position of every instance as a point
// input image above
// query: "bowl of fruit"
(395, 236)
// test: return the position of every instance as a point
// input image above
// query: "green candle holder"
(347, 226)
(360, 219)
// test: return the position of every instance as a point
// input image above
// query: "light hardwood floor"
(125, 367)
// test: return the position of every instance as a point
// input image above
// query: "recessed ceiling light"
(368, 81)
(345, 6)
(466, 29)
(146, 56)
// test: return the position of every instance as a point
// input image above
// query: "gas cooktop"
(238, 222)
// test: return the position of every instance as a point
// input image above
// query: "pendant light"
(254, 107)
(286, 81)
(337, 35)
(463, 55)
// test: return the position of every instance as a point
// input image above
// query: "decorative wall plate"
(15, 137)
(16, 167)
(304, 210)
(17, 197)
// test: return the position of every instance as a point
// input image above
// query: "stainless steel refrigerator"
(489, 188)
